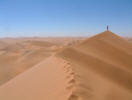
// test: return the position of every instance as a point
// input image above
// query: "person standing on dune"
(107, 28)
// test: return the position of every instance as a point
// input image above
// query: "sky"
(64, 17)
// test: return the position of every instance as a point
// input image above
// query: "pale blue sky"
(64, 17)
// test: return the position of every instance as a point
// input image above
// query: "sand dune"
(98, 68)
(2, 44)
(103, 67)
(16, 57)
(130, 40)
(41, 82)
(19, 54)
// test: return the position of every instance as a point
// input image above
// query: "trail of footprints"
(70, 77)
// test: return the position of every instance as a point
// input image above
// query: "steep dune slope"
(103, 67)
(109, 47)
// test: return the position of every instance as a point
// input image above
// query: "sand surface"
(17, 56)
(97, 68)
(129, 39)
(41, 82)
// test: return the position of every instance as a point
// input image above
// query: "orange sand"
(98, 68)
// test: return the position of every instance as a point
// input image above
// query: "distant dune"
(98, 68)
(16, 57)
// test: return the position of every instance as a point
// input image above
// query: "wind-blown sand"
(98, 68)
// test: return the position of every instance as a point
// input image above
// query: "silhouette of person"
(107, 28)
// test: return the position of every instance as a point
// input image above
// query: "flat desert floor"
(66, 68)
